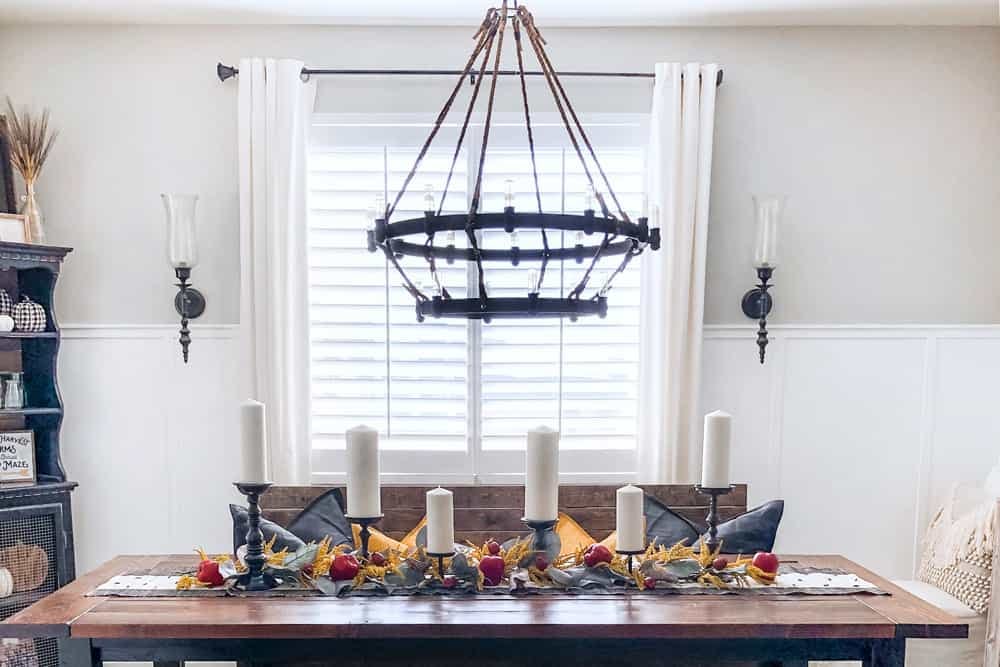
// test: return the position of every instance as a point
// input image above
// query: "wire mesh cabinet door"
(33, 563)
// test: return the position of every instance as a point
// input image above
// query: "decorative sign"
(17, 457)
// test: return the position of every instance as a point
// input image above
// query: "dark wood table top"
(69, 612)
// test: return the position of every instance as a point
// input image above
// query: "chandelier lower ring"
(511, 307)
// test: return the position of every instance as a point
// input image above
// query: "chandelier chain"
(485, 45)
(515, 22)
(470, 231)
(490, 23)
(543, 57)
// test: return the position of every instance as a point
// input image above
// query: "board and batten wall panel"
(862, 430)
(153, 443)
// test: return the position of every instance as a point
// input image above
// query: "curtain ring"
(304, 76)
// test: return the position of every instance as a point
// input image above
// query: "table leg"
(887, 653)
(78, 653)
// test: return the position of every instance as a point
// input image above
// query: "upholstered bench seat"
(943, 653)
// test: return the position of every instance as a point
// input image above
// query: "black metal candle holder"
(628, 557)
(713, 512)
(440, 560)
(365, 522)
(255, 579)
(757, 305)
(543, 538)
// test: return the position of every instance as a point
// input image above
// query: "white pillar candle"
(440, 521)
(363, 495)
(253, 435)
(716, 454)
(541, 475)
(629, 519)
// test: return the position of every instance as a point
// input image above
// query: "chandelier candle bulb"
(533, 281)
(716, 454)
(588, 202)
(429, 203)
(253, 431)
(363, 496)
(440, 521)
(508, 194)
(629, 519)
(541, 475)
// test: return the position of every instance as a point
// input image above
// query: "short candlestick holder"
(365, 522)
(628, 557)
(440, 560)
(255, 579)
(544, 538)
(713, 512)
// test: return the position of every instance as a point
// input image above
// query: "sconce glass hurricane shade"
(182, 246)
(768, 211)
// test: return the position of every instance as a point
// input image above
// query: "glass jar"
(13, 391)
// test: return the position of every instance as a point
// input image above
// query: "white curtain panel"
(679, 169)
(274, 110)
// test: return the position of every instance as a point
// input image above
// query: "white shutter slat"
(370, 360)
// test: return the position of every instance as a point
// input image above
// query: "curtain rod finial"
(225, 71)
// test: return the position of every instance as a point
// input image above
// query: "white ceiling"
(548, 12)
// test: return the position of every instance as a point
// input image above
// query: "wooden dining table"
(690, 630)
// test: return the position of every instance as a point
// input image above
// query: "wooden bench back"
(495, 511)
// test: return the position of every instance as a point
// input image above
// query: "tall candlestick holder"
(713, 542)
(544, 538)
(440, 560)
(365, 522)
(255, 579)
(629, 556)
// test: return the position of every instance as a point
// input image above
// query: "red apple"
(344, 567)
(378, 559)
(208, 573)
(720, 563)
(493, 547)
(766, 562)
(596, 553)
(449, 581)
(542, 563)
(649, 583)
(492, 568)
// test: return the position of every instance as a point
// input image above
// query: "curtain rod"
(227, 72)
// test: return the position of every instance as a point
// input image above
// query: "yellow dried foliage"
(189, 581)
(277, 558)
(514, 555)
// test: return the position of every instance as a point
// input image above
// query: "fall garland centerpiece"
(491, 567)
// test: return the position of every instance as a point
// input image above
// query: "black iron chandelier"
(614, 235)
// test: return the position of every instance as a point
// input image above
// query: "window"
(454, 398)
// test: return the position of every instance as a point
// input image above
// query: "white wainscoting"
(861, 429)
(148, 438)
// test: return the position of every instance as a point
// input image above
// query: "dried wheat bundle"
(30, 140)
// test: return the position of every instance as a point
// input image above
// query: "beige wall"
(886, 141)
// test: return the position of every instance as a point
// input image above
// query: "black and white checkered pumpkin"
(28, 316)
(5, 302)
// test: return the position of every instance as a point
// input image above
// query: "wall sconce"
(757, 302)
(182, 253)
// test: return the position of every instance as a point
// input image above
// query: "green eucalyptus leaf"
(683, 569)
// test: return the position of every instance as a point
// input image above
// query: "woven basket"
(28, 566)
